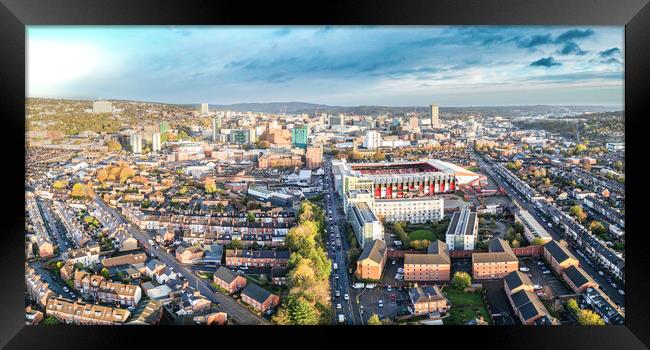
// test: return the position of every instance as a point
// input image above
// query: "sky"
(335, 65)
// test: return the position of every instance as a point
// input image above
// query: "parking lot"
(539, 276)
(394, 302)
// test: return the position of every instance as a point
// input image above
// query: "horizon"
(459, 66)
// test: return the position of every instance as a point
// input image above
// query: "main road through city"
(555, 233)
(228, 305)
(342, 284)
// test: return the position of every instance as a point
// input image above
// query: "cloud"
(533, 41)
(610, 52)
(574, 34)
(611, 60)
(547, 62)
(282, 32)
(571, 48)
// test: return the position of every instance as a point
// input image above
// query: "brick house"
(558, 256)
(372, 260)
(578, 279)
(71, 312)
(516, 281)
(259, 298)
(257, 258)
(189, 254)
(228, 280)
(425, 300)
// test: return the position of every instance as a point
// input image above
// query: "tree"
(301, 311)
(114, 146)
(102, 175)
(250, 217)
(578, 212)
(60, 184)
(126, 173)
(236, 243)
(210, 186)
(597, 228)
(80, 190)
(104, 272)
(572, 305)
(461, 280)
(49, 321)
(537, 241)
(379, 156)
(589, 318)
(264, 144)
(374, 320)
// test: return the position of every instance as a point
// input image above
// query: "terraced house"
(257, 258)
(75, 312)
(106, 291)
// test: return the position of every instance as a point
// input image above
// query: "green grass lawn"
(422, 234)
(464, 307)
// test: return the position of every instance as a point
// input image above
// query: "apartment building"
(497, 263)
(257, 258)
(259, 298)
(228, 280)
(372, 260)
(425, 300)
(558, 256)
(433, 266)
(462, 230)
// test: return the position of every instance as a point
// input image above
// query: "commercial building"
(242, 136)
(216, 128)
(365, 224)
(136, 143)
(433, 266)
(72, 312)
(433, 113)
(314, 157)
(156, 145)
(425, 300)
(558, 256)
(102, 107)
(462, 230)
(300, 136)
(532, 229)
(372, 260)
(337, 120)
(372, 139)
(204, 108)
(497, 263)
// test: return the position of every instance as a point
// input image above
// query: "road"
(236, 311)
(335, 229)
(555, 233)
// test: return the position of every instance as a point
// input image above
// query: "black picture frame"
(16, 14)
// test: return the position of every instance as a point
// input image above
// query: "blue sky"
(336, 65)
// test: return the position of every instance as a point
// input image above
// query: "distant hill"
(311, 108)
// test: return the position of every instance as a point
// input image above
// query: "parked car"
(537, 287)
(524, 269)
(337, 293)
(338, 306)
(546, 272)
(600, 273)
(346, 296)
(621, 292)
(380, 303)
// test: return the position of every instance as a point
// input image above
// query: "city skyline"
(344, 66)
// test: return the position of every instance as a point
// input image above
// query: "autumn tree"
(374, 320)
(114, 146)
(461, 280)
(102, 175)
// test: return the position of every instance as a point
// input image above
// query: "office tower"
(242, 136)
(204, 108)
(337, 120)
(102, 107)
(299, 136)
(314, 156)
(414, 124)
(156, 142)
(434, 116)
(372, 139)
(216, 127)
(164, 127)
(136, 143)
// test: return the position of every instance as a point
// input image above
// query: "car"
(65, 289)
(600, 273)
(338, 306)
(244, 267)
(346, 296)
(613, 285)
(337, 294)
(540, 263)
(537, 287)
(240, 272)
(621, 292)
(388, 289)
(72, 295)
(524, 269)
(393, 263)
(546, 272)
(269, 311)
(336, 276)
(380, 303)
